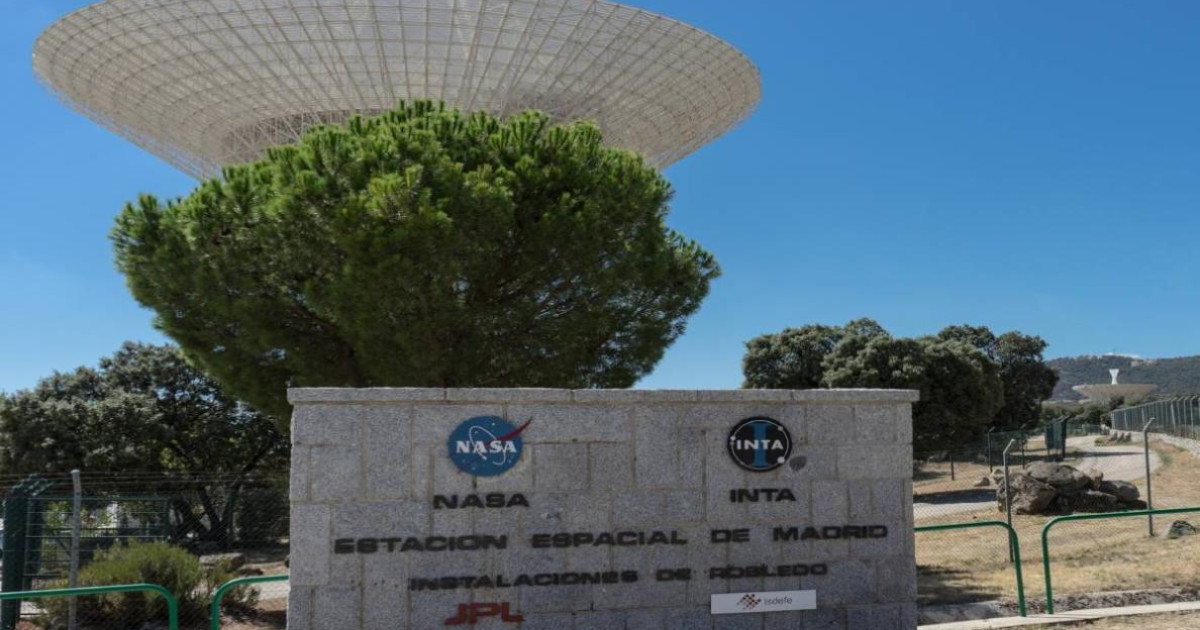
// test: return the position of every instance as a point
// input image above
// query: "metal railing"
(1089, 517)
(215, 609)
(172, 603)
(1014, 542)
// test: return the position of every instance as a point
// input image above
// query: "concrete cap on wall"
(405, 395)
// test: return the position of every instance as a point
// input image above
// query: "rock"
(1097, 477)
(1029, 496)
(231, 561)
(1062, 478)
(249, 571)
(983, 482)
(1179, 529)
(1122, 490)
(1089, 501)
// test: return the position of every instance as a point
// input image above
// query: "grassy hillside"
(1173, 376)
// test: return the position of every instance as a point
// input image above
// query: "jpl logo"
(486, 446)
(471, 614)
(760, 444)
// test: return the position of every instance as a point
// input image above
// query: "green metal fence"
(104, 523)
(1046, 564)
(172, 603)
(1014, 542)
(219, 595)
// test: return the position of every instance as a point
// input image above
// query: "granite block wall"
(624, 509)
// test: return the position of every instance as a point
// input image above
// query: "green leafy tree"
(960, 387)
(1027, 380)
(423, 247)
(791, 359)
(864, 327)
(794, 358)
(144, 410)
(981, 337)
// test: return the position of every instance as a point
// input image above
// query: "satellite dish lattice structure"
(208, 83)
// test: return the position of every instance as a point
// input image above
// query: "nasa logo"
(760, 444)
(486, 446)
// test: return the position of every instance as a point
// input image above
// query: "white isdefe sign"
(760, 602)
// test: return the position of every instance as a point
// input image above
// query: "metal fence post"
(1149, 488)
(1008, 494)
(17, 547)
(991, 465)
(172, 602)
(76, 532)
(16, 508)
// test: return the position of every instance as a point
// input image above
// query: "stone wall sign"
(569, 510)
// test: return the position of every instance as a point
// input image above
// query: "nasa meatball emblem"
(760, 444)
(486, 446)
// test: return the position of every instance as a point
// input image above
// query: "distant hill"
(1174, 377)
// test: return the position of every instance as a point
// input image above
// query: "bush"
(151, 563)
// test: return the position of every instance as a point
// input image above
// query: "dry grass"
(1088, 557)
(932, 477)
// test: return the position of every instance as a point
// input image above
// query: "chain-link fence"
(187, 533)
(1096, 563)
(1120, 559)
(1178, 417)
(959, 568)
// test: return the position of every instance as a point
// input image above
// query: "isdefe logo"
(749, 601)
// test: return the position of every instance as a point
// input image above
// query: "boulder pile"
(1046, 488)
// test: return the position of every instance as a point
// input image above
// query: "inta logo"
(760, 444)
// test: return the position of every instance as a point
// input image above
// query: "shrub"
(152, 563)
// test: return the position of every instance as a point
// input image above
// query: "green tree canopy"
(144, 410)
(791, 359)
(981, 337)
(423, 247)
(957, 386)
(1027, 380)
(960, 387)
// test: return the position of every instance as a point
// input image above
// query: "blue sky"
(1024, 165)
